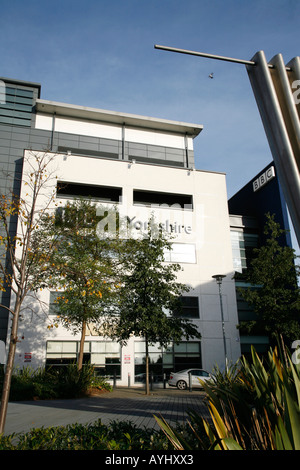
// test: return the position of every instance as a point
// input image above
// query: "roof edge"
(134, 120)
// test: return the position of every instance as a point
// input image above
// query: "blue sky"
(101, 54)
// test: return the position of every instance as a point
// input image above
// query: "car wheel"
(181, 385)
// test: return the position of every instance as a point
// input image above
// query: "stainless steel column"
(275, 97)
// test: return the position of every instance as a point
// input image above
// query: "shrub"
(256, 408)
(118, 435)
(64, 382)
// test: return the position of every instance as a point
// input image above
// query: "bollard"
(115, 380)
(128, 379)
(165, 380)
(190, 382)
(151, 380)
(2, 345)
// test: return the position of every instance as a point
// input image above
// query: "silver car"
(181, 379)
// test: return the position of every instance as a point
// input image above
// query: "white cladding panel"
(110, 131)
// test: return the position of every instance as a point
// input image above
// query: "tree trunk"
(81, 347)
(9, 365)
(147, 368)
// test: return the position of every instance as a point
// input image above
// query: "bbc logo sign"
(264, 178)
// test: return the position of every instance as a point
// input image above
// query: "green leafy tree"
(273, 290)
(84, 269)
(150, 296)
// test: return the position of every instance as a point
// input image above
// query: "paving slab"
(122, 404)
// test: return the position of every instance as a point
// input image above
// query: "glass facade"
(162, 360)
(242, 246)
(162, 200)
(104, 355)
(189, 307)
(16, 108)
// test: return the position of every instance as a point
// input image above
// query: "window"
(17, 106)
(106, 358)
(87, 152)
(155, 361)
(189, 307)
(101, 193)
(158, 161)
(61, 352)
(187, 355)
(199, 373)
(169, 200)
(181, 253)
(242, 248)
(173, 358)
(52, 305)
(104, 355)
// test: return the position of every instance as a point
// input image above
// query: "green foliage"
(253, 407)
(71, 382)
(63, 382)
(273, 289)
(83, 268)
(150, 293)
(118, 435)
(27, 384)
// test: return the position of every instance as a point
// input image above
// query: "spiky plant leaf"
(175, 438)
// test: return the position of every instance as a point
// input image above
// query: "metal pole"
(211, 56)
(202, 54)
(280, 118)
(223, 324)
(273, 91)
(219, 278)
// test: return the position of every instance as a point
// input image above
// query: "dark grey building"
(248, 209)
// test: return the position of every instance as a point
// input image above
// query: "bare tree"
(22, 265)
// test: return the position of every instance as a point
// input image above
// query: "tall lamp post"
(219, 278)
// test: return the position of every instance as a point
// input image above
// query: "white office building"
(144, 166)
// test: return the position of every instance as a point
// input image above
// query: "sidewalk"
(123, 404)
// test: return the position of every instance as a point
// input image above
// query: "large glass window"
(161, 199)
(163, 361)
(16, 108)
(242, 248)
(100, 193)
(189, 307)
(105, 356)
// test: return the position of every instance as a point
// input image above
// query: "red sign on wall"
(27, 357)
